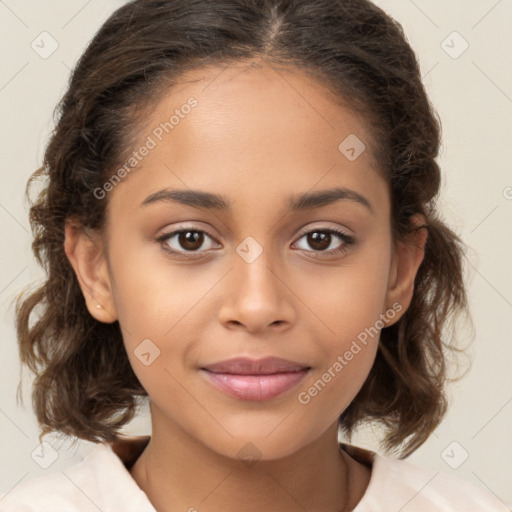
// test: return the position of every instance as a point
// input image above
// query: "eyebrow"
(300, 202)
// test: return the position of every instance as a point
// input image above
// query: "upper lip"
(247, 366)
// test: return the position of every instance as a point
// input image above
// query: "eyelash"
(347, 239)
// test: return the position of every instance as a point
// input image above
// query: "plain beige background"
(465, 53)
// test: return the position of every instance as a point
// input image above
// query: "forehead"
(249, 128)
(261, 103)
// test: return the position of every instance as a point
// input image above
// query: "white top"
(101, 481)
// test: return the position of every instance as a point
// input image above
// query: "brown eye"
(321, 239)
(183, 241)
(190, 240)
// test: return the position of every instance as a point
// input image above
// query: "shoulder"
(402, 485)
(426, 489)
(83, 487)
(40, 494)
(72, 489)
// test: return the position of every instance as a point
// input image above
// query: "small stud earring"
(98, 305)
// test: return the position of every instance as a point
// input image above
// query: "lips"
(246, 366)
(258, 380)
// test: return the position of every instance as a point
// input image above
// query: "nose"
(256, 296)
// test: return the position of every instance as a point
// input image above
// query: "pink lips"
(250, 379)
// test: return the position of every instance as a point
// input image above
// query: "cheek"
(346, 349)
(162, 310)
(348, 307)
(152, 296)
(350, 297)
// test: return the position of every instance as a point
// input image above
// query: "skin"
(257, 135)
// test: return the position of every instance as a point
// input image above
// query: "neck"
(178, 472)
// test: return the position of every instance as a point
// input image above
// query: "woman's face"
(266, 166)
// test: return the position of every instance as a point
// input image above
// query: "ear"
(86, 253)
(405, 263)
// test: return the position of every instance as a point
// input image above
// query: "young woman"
(239, 223)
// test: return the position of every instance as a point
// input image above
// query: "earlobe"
(86, 255)
(406, 261)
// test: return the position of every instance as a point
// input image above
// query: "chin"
(251, 443)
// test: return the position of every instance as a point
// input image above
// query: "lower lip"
(255, 387)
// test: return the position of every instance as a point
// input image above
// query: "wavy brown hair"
(84, 385)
